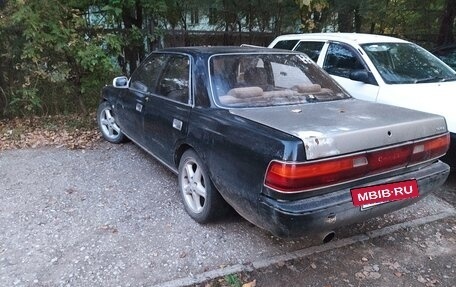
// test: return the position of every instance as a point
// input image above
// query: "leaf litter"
(69, 131)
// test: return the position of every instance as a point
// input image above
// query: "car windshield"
(253, 80)
(407, 63)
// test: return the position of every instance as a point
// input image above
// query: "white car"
(383, 69)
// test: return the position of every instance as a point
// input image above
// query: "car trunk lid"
(346, 126)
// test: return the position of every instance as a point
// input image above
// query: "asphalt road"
(112, 216)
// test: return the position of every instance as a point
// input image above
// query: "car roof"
(212, 50)
(358, 38)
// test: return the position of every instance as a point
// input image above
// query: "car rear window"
(252, 80)
(286, 44)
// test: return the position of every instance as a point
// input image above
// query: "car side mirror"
(120, 82)
(360, 76)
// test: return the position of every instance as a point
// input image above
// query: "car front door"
(342, 62)
(130, 107)
(167, 110)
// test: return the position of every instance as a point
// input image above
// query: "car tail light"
(296, 176)
(292, 177)
(390, 158)
(429, 149)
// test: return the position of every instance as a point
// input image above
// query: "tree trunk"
(345, 20)
(372, 28)
(446, 25)
(132, 16)
(348, 16)
(76, 73)
(358, 20)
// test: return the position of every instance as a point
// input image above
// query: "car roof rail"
(252, 46)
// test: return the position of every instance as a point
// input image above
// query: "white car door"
(341, 61)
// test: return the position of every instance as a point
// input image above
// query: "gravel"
(112, 216)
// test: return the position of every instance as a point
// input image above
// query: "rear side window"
(286, 44)
(175, 80)
(341, 61)
(312, 49)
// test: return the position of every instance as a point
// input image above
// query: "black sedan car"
(270, 134)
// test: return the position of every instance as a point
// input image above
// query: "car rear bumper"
(326, 212)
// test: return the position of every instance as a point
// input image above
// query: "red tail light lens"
(429, 149)
(391, 158)
(293, 177)
(296, 177)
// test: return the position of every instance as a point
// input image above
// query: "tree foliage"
(446, 25)
(55, 63)
(55, 55)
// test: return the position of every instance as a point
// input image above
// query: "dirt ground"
(418, 256)
(75, 211)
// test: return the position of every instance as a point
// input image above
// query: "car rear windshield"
(407, 63)
(253, 80)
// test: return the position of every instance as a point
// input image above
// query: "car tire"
(107, 124)
(201, 199)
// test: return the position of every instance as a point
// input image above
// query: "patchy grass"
(71, 131)
(233, 280)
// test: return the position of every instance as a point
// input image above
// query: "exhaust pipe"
(327, 237)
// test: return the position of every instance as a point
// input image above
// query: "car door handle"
(177, 124)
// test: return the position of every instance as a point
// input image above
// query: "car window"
(406, 63)
(174, 82)
(285, 44)
(252, 80)
(448, 56)
(145, 77)
(292, 77)
(341, 60)
(312, 49)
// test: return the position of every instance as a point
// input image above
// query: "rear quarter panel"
(237, 153)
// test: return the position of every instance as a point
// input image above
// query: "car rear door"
(167, 110)
(311, 48)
